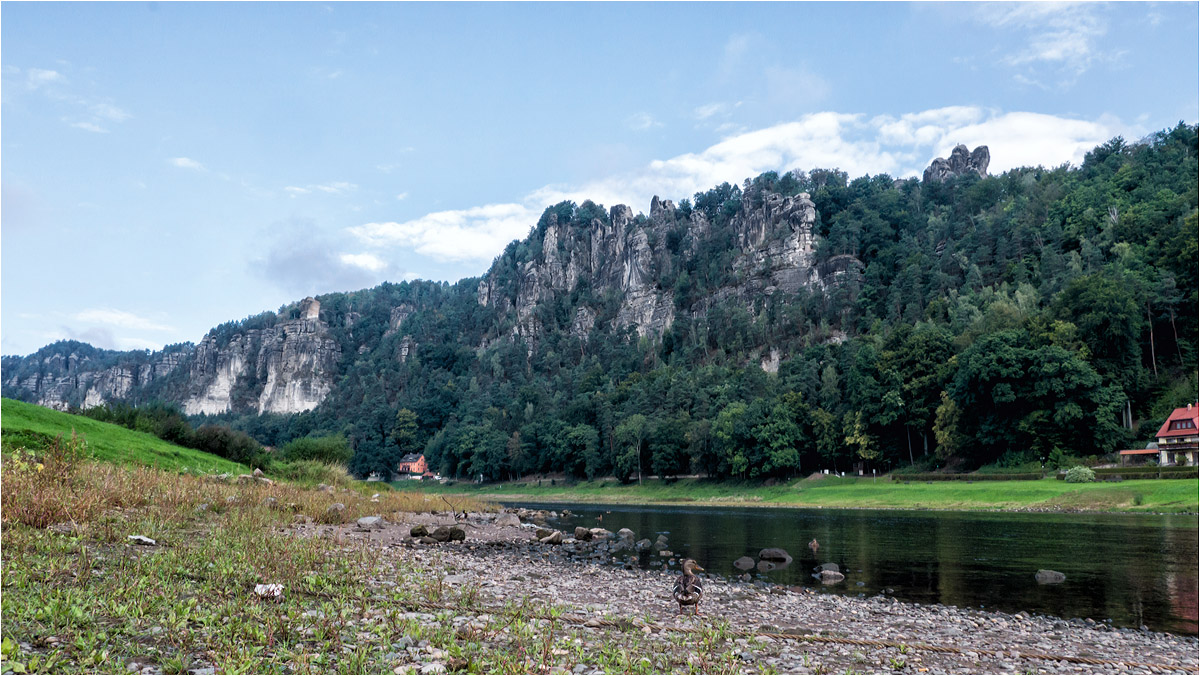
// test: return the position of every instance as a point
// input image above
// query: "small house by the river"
(413, 465)
(1178, 437)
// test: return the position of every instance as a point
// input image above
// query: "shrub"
(1080, 475)
(311, 472)
(328, 449)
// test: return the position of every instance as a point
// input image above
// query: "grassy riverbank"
(1147, 495)
(35, 427)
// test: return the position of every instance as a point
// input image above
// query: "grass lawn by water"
(1144, 495)
(32, 426)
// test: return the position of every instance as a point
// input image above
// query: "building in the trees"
(1178, 437)
(413, 465)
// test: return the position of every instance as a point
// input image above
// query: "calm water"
(1133, 569)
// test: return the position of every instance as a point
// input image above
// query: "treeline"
(1011, 321)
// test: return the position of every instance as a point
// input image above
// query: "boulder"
(601, 533)
(828, 567)
(643, 545)
(830, 577)
(582, 534)
(542, 533)
(554, 538)
(449, 534)
(1050, 577)
(775, 554)
(508, 519)
(418, 531)
(371, 523)
(335, 510)
(625, 534)
(744, 563)
(765, 566)
(258, 472)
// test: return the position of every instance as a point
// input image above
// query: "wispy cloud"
(39, 77)
(898, 145)
(186, 163)
(90, 126)
(109, 112)
(365, 261)
(334, 188)
(120, 319)
(642, 122)
(1064, 34)
(402, 196)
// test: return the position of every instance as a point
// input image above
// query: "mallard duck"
(688, 587)
(814, 546)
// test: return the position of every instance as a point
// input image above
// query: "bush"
(1080, 475)
(328, 449)
(310, 472)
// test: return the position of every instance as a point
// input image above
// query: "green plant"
(1080, 475)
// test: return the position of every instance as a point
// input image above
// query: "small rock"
(371, 523)
(774, 554)
(625, 534)
(418, 530)
(258, 472)
(433, 668)
(1050, 577)
(744, 563)
(554, 538)
(335, 510)
(141, 540)
(508, 520)
(583, 534)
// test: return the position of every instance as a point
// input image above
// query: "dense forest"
(1011, 320)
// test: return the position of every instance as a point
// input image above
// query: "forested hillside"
(1007, 319)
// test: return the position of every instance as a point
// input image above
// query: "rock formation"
(961, 162)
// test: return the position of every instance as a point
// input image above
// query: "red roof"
(1183, 422)
(1140, 451)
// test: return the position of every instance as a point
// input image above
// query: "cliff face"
(287, 368)
(776, 242)
(83, 376)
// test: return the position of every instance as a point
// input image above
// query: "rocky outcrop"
(635, 255)
(81, 377)
(287, 368)
(961, 162)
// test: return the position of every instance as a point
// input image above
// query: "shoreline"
(788, 630)
(503, 498)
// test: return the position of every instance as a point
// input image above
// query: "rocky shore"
(500, 559)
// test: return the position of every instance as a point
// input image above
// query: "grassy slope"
(105, 441)
(1182, 495)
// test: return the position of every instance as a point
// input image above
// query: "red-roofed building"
(413, 465)
(1179, 436)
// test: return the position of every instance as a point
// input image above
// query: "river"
(1131, 569)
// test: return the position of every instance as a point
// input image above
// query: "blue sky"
(170, 166)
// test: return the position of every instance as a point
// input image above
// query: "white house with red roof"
(1179, 435)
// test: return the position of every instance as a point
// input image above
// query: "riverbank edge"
(559, 497)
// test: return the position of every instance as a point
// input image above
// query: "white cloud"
(1067, 34)
(711, 109)
(642, 121)
(187, 163)
(90, 126)
(897, 145)
(478, 233)
(402, 196)
(37, 77)
(120, 319)
(109, 112)
(334, 188)
(365, 261)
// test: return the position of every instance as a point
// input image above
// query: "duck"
(814, 545)
(689, 589)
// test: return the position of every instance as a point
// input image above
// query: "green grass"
(1175, 496)
(32, 426)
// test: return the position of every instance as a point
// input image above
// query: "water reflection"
(1133, 569)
